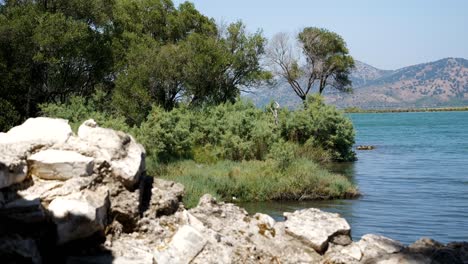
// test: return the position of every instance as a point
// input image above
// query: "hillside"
(440, 83)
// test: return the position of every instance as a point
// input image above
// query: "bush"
(234, 131)
(167, 135)
(321, 126)
(284, 153)
(239, 131)
(77, 110)
(236, 150)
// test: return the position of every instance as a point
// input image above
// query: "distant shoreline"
(352, 110)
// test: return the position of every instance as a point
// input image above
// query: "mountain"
(364, 74)
(434, 84)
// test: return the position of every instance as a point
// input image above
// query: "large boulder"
(20, 141)
(315, 227)
(235, 237)
(39, 130)
(81, 214)
(54, 164)
(120, 150)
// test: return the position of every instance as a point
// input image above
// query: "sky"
(387, 34)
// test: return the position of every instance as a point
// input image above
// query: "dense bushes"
(233, 131)
(235, 149)
(320, 125)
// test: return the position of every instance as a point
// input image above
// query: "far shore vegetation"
(172, 77)
(405, 110)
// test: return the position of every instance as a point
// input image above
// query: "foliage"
(321, 126)
(235, 149)
(234, 131)
(327, 58)
(77, 110)
(199, 70)
(167, 134)
(256, 181)
(51, 51)
(172, 78)
(323, 61)
(142, 52)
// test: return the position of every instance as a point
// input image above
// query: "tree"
(220, 68)
(323, 61)
(52, 50)
(201, 69)
(153, 76)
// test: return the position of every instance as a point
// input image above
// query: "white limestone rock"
(113, 143)
(375, 246)
(53, 164)
(121, 151)
(315, 227)
(48, 190)
(81, 214)
(184, 247)
(18, 142)
(39, 130)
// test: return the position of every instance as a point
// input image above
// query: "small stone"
(184, 247)
(352, 250)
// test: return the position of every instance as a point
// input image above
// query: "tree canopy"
(139, 53)
(318, 58)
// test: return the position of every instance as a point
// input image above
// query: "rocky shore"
(85, 198)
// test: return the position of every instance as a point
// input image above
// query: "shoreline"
(404, 110)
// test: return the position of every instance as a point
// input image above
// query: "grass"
(255, 180)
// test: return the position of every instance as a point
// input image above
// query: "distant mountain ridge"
(433, 84)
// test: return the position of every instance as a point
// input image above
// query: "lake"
(414, 184)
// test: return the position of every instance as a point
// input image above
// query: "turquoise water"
(414, 184)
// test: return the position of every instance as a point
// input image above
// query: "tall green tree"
(201, 69)
(222, 67)
(51, 50)
(318, 59)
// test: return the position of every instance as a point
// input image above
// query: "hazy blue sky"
(386, 34)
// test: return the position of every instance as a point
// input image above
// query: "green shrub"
(284, 153)
(322, 126)
(167, 134)
(239, 131)
(77, 110)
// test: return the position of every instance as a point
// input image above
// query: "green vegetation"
(172, 78)
(235, 149)
(322, 62)
(138, 53)
(404, 110)
(257, 180)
